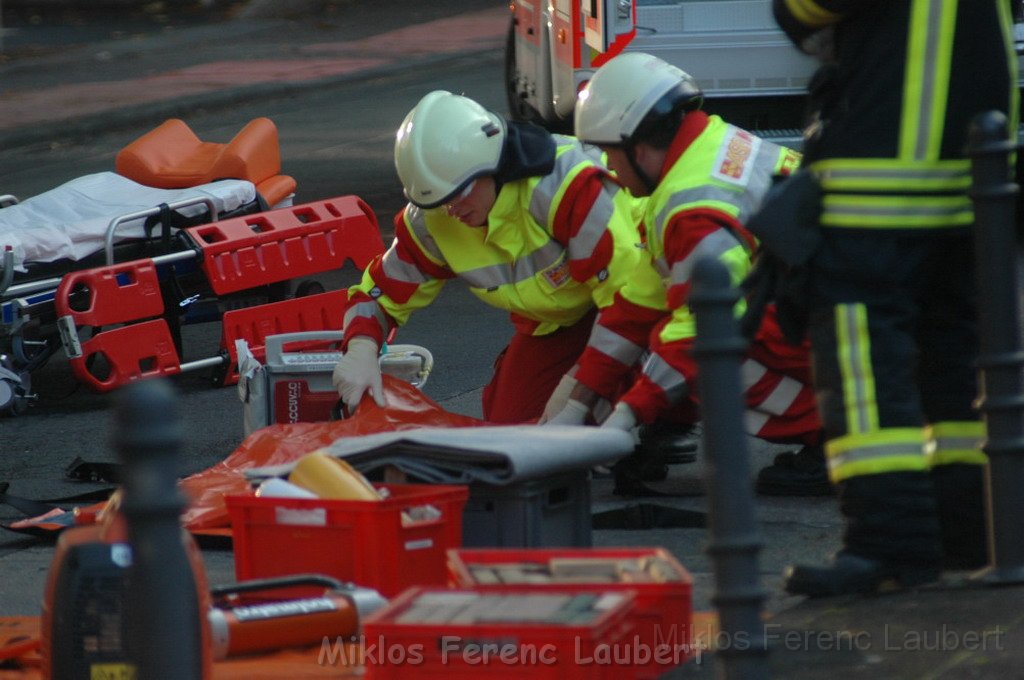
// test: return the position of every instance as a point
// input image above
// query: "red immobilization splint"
(234, 254)
(111, 294)
(140, 350)
(254, 324)
(250, 251)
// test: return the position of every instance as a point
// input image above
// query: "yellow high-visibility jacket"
(554, 246)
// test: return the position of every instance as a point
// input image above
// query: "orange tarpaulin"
(407, 408)
(206, 514)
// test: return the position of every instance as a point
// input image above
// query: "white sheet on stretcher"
(70, 221)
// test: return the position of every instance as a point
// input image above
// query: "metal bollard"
(1001, 387)
(164, 627)
(735, 539)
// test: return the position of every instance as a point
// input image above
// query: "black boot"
(849, 574)
(670, 443)
(960, 490)
(892, 535)
(632, 472)
(803, 473)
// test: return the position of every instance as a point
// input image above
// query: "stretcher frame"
(138, 312)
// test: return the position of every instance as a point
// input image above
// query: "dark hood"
(529, 151)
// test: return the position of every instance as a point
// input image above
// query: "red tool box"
(662, 613)
(371, 543)
(432, 634)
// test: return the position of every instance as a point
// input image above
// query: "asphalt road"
(334, 142)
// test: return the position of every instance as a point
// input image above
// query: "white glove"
(357, 371)
(557, 400)
(622, 418)
(574, 413)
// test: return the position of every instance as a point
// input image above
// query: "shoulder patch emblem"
(735, 157)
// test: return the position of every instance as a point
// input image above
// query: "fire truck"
(750, 72)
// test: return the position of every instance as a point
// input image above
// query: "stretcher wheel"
(309, 287)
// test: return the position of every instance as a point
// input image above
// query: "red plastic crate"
(395, 647)
(363, 542)
(662, 614)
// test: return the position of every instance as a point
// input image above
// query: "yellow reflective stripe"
(893, 174)
(925, 85)
(881, 451)
(877, 466)
(956, 442)
(810, 13)
(1006, 21)
(896, 212)
(958, 456)
(853, 345)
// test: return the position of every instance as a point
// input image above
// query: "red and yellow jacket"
(715, 177)
(554, 247)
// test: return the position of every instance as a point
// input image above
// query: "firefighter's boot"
(960, 491)
(892, 537)
(800, 473)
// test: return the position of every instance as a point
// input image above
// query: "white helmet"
(628, 89)
(445, 143)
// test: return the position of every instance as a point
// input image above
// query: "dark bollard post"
(735, 539)
(1001, 397)
(162, 611)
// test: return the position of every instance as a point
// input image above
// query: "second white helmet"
(626, 91)
(443, 144)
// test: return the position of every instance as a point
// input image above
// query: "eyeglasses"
(464, 193)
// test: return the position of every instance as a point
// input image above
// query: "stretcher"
(109, 267)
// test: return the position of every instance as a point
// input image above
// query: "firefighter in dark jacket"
(890, 289)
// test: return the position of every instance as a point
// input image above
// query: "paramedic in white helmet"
(531, 222)
(703, 178)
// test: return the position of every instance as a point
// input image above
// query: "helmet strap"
(649, 183)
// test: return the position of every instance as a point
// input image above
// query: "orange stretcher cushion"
(276, 189)
(171, 156)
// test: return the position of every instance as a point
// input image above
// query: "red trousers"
(527, 371)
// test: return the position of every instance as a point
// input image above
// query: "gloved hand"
(357, 371)
(574, 413)
(622, 418)
(557, 400)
